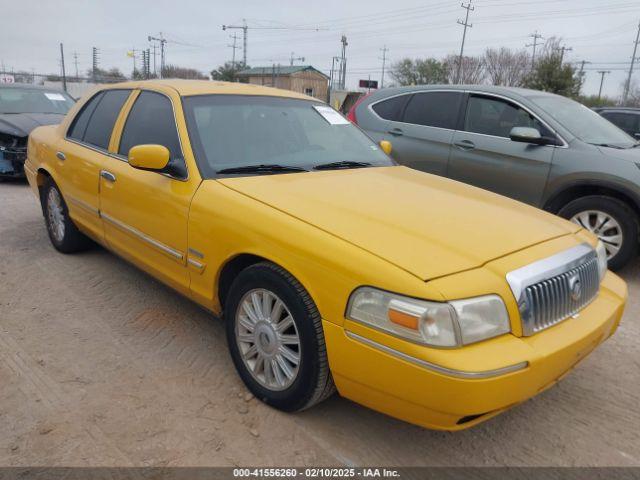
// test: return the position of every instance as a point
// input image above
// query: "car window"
(151, 121)
(80, 122)
(100, 125)
(493, 116)
(433, 109)
(392, 108)
(626, 121)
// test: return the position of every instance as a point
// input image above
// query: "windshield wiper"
(608, 145)
(274, 168)
(341, 164)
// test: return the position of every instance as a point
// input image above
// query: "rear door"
(483, 155)
(422, 136)
(81, 154)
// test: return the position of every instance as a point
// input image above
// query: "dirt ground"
(102, 365)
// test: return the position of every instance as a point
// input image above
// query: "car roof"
(506, 91)
(206, 87)
(618, 109)
(29, 86)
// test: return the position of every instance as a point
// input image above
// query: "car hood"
(427, 225)
(21, 124)
(630, 154)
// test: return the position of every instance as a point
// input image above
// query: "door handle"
(61, 156)
(110, 177)
(396, 132)
(465, 144)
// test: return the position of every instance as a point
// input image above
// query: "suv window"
(626, 121)
(392, 108)
(434, 109)
(493, 116)
(79, 125)
(151, 121)
(98, 131)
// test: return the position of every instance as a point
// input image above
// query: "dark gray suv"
(539, 148)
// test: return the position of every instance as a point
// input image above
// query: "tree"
(595, 101)
(551, 75)
(173, 71)
(472, 71)
(506, 67)
(106, 76)
(227, 72)
(418, 72)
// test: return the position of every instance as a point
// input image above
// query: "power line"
(465, 24)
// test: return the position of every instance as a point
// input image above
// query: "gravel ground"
(102, 365)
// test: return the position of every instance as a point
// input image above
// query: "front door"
(145, 213)
(483, 155)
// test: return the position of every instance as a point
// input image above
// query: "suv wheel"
(276, 340)
(611, 220)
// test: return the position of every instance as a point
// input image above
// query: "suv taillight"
(351, 116)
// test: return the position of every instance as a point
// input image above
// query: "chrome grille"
(554, 289)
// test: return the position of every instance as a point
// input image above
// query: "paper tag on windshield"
(55, 97)
(330, 115)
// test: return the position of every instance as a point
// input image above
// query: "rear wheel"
(276, 340)
(63, 233)
(612, 221)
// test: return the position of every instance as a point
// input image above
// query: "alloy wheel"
(268, 339)
(604, 226)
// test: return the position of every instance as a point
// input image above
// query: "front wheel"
(612, 221)
(276, 340)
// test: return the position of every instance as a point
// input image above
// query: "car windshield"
(34, 100)
(583, 122)
(236, 131)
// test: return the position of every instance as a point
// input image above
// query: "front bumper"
(12, 162)
(380, 371)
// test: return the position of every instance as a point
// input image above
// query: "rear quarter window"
(392, 108)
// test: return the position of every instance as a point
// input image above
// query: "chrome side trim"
(151, 241)
(548, 267)
(437, 368)
(196, 253)
(83, 204)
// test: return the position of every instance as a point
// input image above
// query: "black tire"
(71, 240)
(621, 213)
(313, 382)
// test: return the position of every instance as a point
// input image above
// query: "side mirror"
(526, 135)
(149, 157)
(386, 146)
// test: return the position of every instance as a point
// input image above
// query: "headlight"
(601, 251)
(438, 324)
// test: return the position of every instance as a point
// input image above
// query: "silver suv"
(536, 147)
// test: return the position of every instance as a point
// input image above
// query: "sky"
(598, 31)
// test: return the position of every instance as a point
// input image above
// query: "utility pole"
(75, 61)
(536, 36)
(602, 73)
(466, 25)
(293, 58)
(343, 64)
(133, 57)
(94, 63)
(234, 47)
(581, 73)
(384, 61)
(627, 84)
(562, 50)
(155, 69)
(64, 73)
(244, 29)
(162, 41)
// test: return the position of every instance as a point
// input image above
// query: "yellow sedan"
(333, 267)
